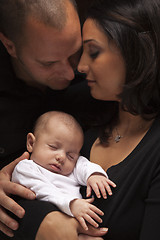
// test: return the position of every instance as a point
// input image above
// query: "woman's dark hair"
(134, 26)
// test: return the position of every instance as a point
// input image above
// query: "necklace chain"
(141, 126)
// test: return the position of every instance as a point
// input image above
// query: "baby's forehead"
(60, 120)
(64, 119)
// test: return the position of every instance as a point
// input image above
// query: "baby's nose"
(60, 157)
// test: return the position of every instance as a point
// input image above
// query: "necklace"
(118, 136)
(143, 126)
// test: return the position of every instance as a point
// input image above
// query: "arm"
(7, 188)
(61, 226)
(84, 169)
(82, 209)
(92, 175)
(87, 237)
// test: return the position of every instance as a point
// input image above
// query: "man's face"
(48, 57)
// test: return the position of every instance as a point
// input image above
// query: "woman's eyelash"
(94, 54)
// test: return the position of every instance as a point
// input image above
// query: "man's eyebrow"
(44, 61)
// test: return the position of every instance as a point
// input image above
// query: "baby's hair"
(62, 117)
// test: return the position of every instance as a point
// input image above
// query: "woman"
(121, 61)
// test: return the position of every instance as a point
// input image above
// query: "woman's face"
(102, 62)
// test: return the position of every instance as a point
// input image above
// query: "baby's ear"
(30, 142)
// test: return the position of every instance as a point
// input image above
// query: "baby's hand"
(99, 183)
(83, 211)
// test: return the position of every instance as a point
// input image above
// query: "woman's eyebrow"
(89, 40)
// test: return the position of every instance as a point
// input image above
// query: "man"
(37, 59)
(40, 41)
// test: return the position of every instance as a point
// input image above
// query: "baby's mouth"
(55, 167)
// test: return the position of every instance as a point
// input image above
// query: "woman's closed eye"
(94, 55)
(92, 48)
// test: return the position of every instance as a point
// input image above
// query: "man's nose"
(68, 70)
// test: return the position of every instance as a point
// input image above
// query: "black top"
(17, 110)
(133, 211)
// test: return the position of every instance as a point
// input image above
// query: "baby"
(56, 170)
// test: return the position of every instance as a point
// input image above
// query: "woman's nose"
(82, 68)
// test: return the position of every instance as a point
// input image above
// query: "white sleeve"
(28, 174)
(84, 168)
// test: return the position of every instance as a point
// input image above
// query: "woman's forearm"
(57, 226)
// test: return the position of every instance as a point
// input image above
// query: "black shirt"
(133, 211)
(20, 105)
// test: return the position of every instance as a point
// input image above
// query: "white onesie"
(52, 187)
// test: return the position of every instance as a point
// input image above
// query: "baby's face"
(57, 148)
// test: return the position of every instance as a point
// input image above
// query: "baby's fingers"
(88, 191)
(95, 188)
(83, 223)
(110, 182)
(107, 187)
(90, 220)
(94, 211)
(103, 188)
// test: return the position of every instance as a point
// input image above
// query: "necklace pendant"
(117, 138)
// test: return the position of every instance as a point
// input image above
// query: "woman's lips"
(90, 82)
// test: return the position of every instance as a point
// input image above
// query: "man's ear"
(9, 45)
(30, 142)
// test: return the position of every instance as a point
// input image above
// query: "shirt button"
(1, 150)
